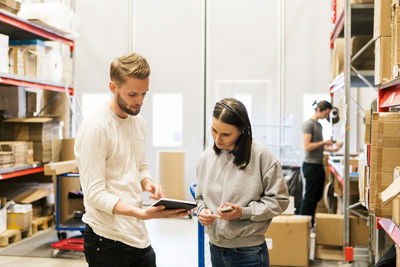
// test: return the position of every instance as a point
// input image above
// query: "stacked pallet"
(11, 236)
(10, 6)
(6, 159)
(22, 152)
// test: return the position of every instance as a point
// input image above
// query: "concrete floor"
(174, 241)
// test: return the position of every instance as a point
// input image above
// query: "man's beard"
(124, 107)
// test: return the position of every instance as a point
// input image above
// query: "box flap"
(390, 192)
(291, 219)
(32, 195)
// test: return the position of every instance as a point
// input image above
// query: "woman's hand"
(206, 217)
(234, 214)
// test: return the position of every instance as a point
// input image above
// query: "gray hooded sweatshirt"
(260, 190)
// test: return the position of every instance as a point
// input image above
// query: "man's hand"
(234, 214)
(206, 217)
(328, 142)
(160, 212)
(155, 189)
(149, 213)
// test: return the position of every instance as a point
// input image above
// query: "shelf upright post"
(346, 172)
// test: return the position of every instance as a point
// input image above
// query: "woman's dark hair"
(322, 105)
(232, 111)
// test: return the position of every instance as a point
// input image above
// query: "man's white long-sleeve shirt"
(110, 153)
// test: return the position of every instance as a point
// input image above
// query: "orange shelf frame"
(42, 32)
(21, 173)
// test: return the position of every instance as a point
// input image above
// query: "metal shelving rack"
(17, 28)
(389, 96)
(356, 19)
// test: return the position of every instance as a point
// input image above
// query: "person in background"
(313, 169)
(240, 189)
(110, 153)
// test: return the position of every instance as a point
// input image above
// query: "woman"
(313, 169)
(239, 174)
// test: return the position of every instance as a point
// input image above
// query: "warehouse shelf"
(336, 169)
(12, 172)
(18, 28)
(11, 79)
(355, 80)
(389, 95)
(391, 229)
(362, 21)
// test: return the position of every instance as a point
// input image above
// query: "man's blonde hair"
(130, 65)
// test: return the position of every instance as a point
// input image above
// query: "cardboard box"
(13, 101)
(386, 116)
(16, 61)
(378, 182)
(397, 256)
(69, 205)
(359, 232)
(329, 229)
(42, 151)
(396, 210)
(382, 18)
(60, 167)
(289, 233)
(34, 52)
(385, 154)
(367, 133)
(328, 253)
(19, 218)
(30, 129)
(23, 151)
(337, 58)
(385, 129)
(383, 69)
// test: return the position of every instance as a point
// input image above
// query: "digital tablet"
(175, 204)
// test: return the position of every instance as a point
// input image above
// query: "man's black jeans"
(314, 176)
(100, 251)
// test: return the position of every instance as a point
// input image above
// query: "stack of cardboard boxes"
(387, 35)
(329, 235)
(39, 131)
(382, 159)
(12, 6)
(22, 152)
(365, 61)
(383, 43)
